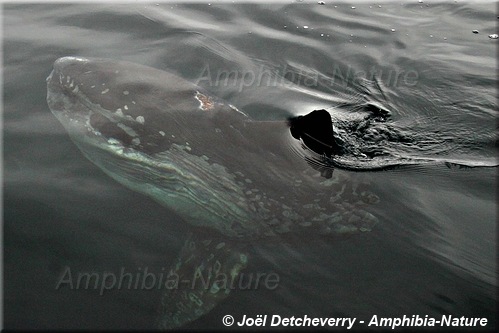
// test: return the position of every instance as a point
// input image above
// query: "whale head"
(139, 125)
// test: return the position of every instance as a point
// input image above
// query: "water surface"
(434, 250)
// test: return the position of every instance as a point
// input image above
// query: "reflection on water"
(434, 250)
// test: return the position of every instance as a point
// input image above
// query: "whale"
(231, 179)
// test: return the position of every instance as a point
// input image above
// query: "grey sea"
(431, 64)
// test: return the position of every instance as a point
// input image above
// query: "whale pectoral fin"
(204, 273)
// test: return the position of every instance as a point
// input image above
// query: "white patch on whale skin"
(128, 130)
(104, 91)
(125, 107)
(140, 119)
(162, 133)
(114, 142)
(126, 92)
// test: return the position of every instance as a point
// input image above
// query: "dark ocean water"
(434, 251)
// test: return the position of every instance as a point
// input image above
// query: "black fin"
(316, 131)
